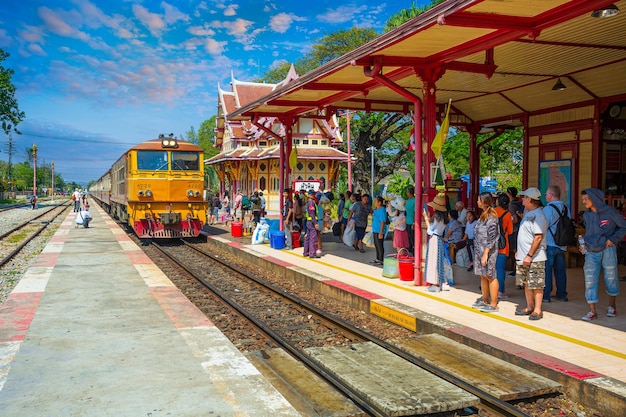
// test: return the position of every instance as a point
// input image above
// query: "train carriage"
(156, 187)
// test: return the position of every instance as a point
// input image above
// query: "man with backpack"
(555, 262)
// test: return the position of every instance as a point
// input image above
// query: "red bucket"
(236, 229)
(405, 266)
(295, 239)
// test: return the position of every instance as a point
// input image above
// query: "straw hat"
(398, 204)
(438, 203)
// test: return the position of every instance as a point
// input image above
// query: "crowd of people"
(525, 229)
(510, 228)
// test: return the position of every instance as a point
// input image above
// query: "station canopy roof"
(499, 58)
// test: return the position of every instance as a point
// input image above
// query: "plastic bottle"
(581, 244)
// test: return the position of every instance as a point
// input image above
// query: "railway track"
(325, 343)
(15, 240)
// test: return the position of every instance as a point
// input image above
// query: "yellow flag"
(442, 134)
(293, 158)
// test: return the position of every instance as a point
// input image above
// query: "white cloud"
(231, 10)
(214, 47)
(341, 14)
(201, 31)
(172, 14)
(31, 34)
(36, 49)
(282, 21)
(55, 23)
(152, 21)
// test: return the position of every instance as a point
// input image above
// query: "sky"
(96, 77)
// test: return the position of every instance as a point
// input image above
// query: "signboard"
(557, 172)
(299, 185)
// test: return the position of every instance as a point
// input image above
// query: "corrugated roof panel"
(488, 107)
(540, 96)
(603, 81)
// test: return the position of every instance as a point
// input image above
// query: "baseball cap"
(532, 193)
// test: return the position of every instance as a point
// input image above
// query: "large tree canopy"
(10, 114)
(327, 48)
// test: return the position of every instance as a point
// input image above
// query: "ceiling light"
(559, 85)
(608, 11)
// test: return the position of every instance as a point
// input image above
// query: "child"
(396, 210)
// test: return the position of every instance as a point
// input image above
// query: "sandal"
(535, 316)
(362, 250)
(523, 312)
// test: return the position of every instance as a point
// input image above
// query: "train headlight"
(169, 143)
(190, 193)
(197, 193)
(140, 193)
(148, 193)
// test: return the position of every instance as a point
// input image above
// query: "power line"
(73, 139)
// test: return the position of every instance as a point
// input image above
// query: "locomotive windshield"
(185, 161)
(151, 160)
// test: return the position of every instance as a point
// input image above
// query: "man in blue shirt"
(556, 254)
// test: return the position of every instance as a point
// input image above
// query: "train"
(157, 188)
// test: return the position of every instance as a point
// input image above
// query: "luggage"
(337, 229)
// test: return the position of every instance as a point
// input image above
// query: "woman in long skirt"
(435, 253)
(486, 234)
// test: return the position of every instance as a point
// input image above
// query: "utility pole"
(34, 171)
(52, 181)
(10, 160)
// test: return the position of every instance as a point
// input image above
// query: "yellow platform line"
(462, 306)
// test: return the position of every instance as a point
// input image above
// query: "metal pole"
(349, 152)
(372, 150)
(52, 180)
(34, 171)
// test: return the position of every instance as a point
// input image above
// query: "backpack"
(502, 237)
(565, 234)
(216, 202)
(245, 203)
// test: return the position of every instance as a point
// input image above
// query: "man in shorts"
(531, 254)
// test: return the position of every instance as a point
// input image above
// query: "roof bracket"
(371, 71)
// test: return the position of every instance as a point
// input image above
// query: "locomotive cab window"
(185, 161)
(151, 160)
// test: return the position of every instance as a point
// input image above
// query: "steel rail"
(488, 399)
(17, 250)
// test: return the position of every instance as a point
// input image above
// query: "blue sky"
(96, 77)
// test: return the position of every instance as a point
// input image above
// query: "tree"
(10, 114)
(206, 140)
(191, 136)
(387, 132)
(330, 46)
(404, 15)
(504, 151)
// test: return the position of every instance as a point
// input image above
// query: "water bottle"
(581, 244)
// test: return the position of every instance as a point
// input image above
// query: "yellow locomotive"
(156, 187)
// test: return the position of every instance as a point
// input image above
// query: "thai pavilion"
(250, 150)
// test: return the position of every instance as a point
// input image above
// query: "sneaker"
(489, 309)
(445, 287)
(611, 312)
(479, 303)
(590, 316)
(433, 288)
(502, 296)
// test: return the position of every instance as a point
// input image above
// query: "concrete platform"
(588, 359)
(94, 328)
